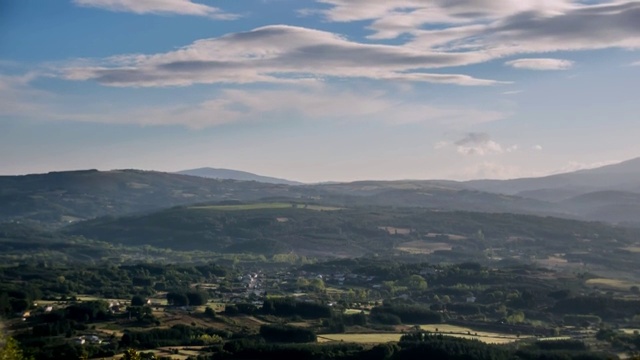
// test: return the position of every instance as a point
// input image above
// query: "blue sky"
(320, 90)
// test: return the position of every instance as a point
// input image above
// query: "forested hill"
(63, 197)
(280, 228)
(59, 198)
(229, 174)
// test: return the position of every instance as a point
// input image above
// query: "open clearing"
(262, 206)
(614, 284)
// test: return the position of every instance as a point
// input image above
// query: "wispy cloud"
(276, 54)
(178, 7)
(513, 92)
(541, 64)
(497, 28)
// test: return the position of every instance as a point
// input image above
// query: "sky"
(320, 90)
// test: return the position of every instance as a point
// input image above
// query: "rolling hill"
(608, 193)
(228, 174)
(62, 197)
(271, 228)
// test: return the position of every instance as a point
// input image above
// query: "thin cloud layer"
(321, 103)
(540, 64)
(177, 7)
(277, 54)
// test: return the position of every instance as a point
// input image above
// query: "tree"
(138, 300)
(10, 350)
(317, 285)
(177, 299)
(415, 282)
(209, 312)
(131, 354)
(197, 298)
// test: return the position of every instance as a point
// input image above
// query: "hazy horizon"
(320, 90)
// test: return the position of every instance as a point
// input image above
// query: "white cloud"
(435, 11)
(497, 28)
(637, 63)
(179, 7)
(537, 147)
(572, 27)
(278, 54)
(541, 64)
(478, 144)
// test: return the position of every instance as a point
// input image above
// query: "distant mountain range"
(610, 193)
(624, 176)
(229, 174)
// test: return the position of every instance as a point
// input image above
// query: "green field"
(262, 206)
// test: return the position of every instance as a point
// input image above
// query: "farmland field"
(446, 330)
(466, 333)
(371, 338)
